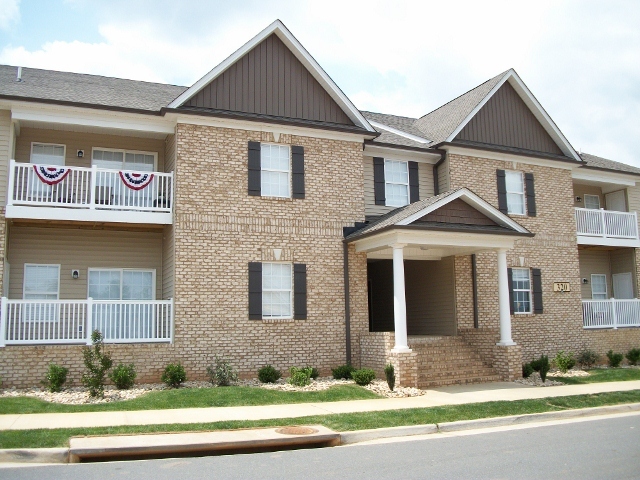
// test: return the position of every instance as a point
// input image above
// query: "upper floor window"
(599, 287)
(47, 154)
(515, 192)
(41, 282)
(521, 290)
(275, 169)
(592, 202)
(124, 160)
(396, 183)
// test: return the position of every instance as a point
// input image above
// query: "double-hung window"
(515, 192)
(592, 202)
(396, 183)
(598, 286)
(44, 154)
(521, 278)
(275, 166)
(277, 290)
(41, 282)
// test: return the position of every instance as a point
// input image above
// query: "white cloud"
(9, 13)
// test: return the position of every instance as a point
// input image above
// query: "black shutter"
(255, 291)
(299, 291)
(531, 194)
(378, 180)
(510, 281)
(414, 183)
(297, 170)
(502, 191)
(254, 168)
(537, 290)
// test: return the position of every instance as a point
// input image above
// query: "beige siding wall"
(623, 260)
(425, 174)
(444, 183)
(6, 141)
(81, 249)
(594, 262)
(75, 141)
(168, 250)
(580, 191)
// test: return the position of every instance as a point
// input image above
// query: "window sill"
(278, 320)
(281, 199)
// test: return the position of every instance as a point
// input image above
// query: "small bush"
(364, 376)
(527, 370)
(300, 377)
(97, 362)
(564, 361)
(588, 358)
(222, 373)
(614, 358)
(55, 378)
(314, 372)
(390, 374)
(343, 372)
(269, 374)
(541, 366)
(174, 375)
(633, 356)
(123, 376)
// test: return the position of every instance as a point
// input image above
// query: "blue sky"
(580, 58)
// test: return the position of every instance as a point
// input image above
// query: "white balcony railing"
(34, 322)
(611, 313)
(606, 223)
(90, 189)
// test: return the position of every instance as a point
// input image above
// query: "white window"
(124, 160)
(521, 290)
(276, 290)
(121, 284)
(41, 282)
(47, 154)
(396, 183)
(599, 287)
(515, 192)
(592, 202)
(275, 166)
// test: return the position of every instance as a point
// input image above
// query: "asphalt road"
(599, 449)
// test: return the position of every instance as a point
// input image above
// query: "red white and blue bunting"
(136, 181)
(51, 175)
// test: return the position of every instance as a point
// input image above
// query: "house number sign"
(561, 287)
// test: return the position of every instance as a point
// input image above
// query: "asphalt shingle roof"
(599, 162)
(404, 124)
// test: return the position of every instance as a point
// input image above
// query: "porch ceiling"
(71, 127)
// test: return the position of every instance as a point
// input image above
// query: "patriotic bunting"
(51, 175)
(136, 181)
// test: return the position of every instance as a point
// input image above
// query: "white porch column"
(503, 300)
(399, 301)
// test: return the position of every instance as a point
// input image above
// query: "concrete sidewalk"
(455, 395)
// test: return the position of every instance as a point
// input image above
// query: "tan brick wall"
(375, 348)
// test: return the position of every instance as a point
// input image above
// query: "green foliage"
(390, 374)
(300, 377)
(314, 372)
(527, 370)
(614, 358)
(123, 376)
(588, 358)
(633, 356)
(174, 375)
(364, 376)
(55, 378)
(269, 374)
(97, 363)
(343, 372)
(541, 366)
(222, 373)
(564, 361)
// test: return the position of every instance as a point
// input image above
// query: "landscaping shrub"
(269, 374)
(123, 376)
(97, 363)
(56, 377)
(390, 374)
(564, 361)
(527, 370)
(614, 358)
(300, 377)
(541, 366)
(174, 375)
(633, 356)
(588, 358)
(364, 376)
(343, 372)
(222, 373)
(314, 372)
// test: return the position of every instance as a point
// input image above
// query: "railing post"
(12, 179)
(172, 317)
(635, 224)
(92, 187)
(171, 204)
(3, 321)
(615, 314)
(89, 320)
(604, 224)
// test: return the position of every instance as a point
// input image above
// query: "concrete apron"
(135, 447)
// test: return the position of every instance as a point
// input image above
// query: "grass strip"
(597, 375)
(339, 422)
(191, 398)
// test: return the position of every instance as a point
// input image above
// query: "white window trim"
(530, 290)
(121, 270)
(124, 152)
(288, 171)
(280, 317)
(387, 182)
(606, 286)
(523, 193)
(592, 196)
(64, 150)
(44, 318)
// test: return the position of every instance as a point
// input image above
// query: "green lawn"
(338, 422)
(603, 375)
(191, 398)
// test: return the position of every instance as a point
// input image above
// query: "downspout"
(474, 281)
(347, 301)
(436, 186)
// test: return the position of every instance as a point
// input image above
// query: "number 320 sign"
(561, 287)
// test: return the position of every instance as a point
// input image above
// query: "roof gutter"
(436, 185)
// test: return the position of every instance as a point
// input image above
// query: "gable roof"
(278, 28)
(593, 161)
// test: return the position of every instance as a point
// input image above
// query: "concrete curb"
(357, 436)
(34, 455)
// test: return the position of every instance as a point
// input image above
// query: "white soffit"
(278, 28)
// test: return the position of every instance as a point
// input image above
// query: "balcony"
(42, 322)
(611, 313)
(607, 227)
(89, 194)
